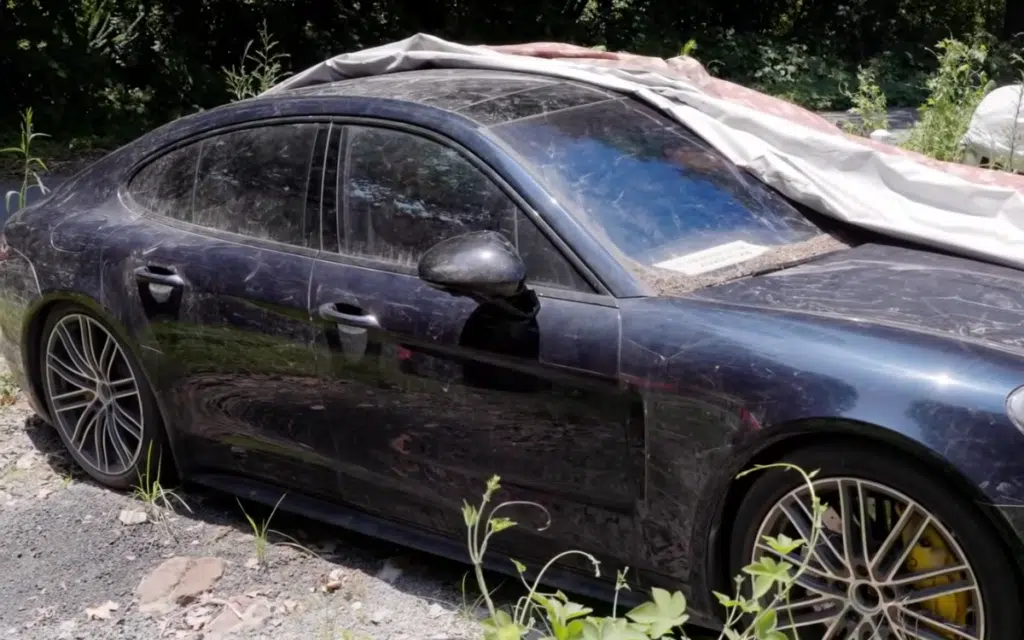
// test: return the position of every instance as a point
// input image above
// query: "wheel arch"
(837, 432)
(35, 320)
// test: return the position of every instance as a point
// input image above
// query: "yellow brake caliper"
(931, 553)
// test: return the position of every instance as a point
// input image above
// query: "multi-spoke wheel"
(898, 556)
(96, 397)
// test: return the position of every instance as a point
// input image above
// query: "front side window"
(652, 189)
(401, 193)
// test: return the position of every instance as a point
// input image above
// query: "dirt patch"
(78, 561)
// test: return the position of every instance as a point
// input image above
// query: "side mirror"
(481, 264)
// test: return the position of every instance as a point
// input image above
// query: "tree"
(1013, 19)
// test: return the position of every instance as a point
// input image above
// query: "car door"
(431, 394)
(217, 273)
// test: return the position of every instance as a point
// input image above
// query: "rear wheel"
(98, 400)
(899, 556)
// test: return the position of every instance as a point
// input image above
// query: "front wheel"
(99, 401)
(898, 556)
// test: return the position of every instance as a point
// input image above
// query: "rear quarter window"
(165, 185)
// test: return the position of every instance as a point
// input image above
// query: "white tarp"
(997, 128)
(862, 182)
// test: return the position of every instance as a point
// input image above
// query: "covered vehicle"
(370, 295)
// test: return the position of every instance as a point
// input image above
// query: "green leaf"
(732, 634)
(725, 600)
(469, 514)
(520, 567)
(750, 606)
(766, 623)
(500, 524)
(575, 629)
(665, 612)
(783, 543)
(501, 627)
(612, 629)
(762, 585)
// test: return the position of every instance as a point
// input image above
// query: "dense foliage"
(119, 66)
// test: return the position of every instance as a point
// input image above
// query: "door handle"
(166, 276)
(356, 318)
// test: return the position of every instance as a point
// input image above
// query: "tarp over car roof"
(967, 210)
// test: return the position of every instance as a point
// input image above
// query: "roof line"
(551, 113)
(505, 95)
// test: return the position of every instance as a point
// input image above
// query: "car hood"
(898, 287)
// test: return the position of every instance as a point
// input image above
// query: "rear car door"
(431, 394)
(215, 274)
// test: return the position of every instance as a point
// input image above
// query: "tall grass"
(29, 164)
(266, 70)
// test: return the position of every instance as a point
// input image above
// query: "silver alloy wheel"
(880, 566)
(94, 394)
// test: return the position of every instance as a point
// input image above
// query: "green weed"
(266, 71)
(8, 390)
(556, 617)
(955, 90)
(260, 532)
(869, 104)
(30, 165)
(149, 490)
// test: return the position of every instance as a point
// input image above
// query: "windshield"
(652, 189)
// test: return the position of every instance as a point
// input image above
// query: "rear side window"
(165, 185)
(252, 182)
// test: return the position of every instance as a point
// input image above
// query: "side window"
(402, 193)
(165, 185)
(545, 264)
(254, 182)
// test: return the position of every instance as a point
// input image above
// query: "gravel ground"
(72, 567)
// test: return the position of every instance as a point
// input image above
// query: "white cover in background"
(866, 186)
(997, 127)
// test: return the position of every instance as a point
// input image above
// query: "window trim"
(598, 291)
(128, 199)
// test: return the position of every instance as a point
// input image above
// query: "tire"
(964, 530)
(123, 416)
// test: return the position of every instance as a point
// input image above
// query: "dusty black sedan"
(372, 295)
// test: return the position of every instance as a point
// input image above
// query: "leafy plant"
(267, 69)
(555, 617)
(150, 491)
(260, 531)
(955, 90)
(30, 165)
(869, 104)
(8, 390)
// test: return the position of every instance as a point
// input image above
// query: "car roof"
(487, 96)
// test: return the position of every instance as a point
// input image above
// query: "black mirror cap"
(480, 263)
